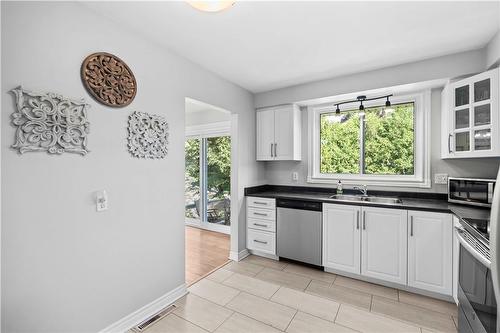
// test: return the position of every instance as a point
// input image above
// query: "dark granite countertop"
(435, 202)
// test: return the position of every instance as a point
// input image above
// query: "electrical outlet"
(295, 176)
(441, 178)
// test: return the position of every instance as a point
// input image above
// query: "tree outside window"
(379, 142)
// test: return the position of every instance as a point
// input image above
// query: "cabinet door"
(430, 251)
(446, 132)
(283, 133)
(383, 244)
(455, 255)
(474, 116)
(341, 237)
(265, 135)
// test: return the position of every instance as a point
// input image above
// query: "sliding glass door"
(208, 182)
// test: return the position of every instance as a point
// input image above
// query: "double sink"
(366, 198)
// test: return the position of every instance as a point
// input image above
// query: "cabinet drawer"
(261, 241)
(260, 224)
(261, 202)
(261, 214)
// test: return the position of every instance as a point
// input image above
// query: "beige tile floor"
(261, 295)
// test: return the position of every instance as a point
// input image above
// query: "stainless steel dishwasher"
(299, 234)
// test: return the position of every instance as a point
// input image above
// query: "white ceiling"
(267, 45)
(199, 113)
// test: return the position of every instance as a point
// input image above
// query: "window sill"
(426, 183)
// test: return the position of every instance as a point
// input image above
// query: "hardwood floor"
(205, 251)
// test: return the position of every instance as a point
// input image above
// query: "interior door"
(283, 133)
(430, 260)
(265, 135)
(383, 244)
(341, 237)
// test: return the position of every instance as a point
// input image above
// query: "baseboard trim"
(394, 285)
(146, 311)
(238, 256)
(223, 229)
(265, 255)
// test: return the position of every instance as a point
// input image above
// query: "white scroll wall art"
(49, 122)
(147, 135)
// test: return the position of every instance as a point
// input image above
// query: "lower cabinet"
(430, 248)
(456, 258)
(341, 237)
(261, 225)
(261, 241)
(411, 248)
(383, 244)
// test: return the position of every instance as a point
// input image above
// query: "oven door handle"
(475, 253)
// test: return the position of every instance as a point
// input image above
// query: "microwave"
(471, 191)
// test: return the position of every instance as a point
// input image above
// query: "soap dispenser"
(339, 187)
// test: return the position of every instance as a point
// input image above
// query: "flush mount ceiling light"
(211, 6)
(362, 99)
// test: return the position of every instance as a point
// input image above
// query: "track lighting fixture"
(363, 98)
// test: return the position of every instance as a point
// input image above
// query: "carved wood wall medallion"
(49, 122)
(108, 79)
(147, 135)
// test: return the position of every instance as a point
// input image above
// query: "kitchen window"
(378, 146)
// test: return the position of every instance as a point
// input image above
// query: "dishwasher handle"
(300, 204)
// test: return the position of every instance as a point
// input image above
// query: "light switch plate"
(101, 200)
(441, 178)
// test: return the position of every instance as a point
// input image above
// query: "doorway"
(208, 181)
(208, 194)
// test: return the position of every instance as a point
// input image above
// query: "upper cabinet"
(470, 117)
(278, 133)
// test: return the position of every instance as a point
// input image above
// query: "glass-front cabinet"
(470, 117)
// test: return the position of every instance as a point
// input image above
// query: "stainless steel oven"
(477, 307)
(471, 191)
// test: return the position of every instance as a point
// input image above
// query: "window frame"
(421, 177)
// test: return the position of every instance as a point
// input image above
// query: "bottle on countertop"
(340, 190)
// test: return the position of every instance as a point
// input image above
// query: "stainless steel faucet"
(362, 189)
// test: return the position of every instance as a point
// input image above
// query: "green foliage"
(389, 141)
(219, 165)
(339, 141)
(192, 149)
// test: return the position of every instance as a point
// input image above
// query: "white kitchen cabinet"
(279, 133)
(265, 135)
(384, 244)
(430, 251)
(261, 225)
(341, 237)
(470, 117)
(456, 258)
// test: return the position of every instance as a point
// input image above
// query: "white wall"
(493, 51)
(280, 173)
(436, 68)
(207, 116)
(66, 267)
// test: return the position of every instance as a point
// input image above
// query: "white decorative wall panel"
(49, 122)
(147, 135)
